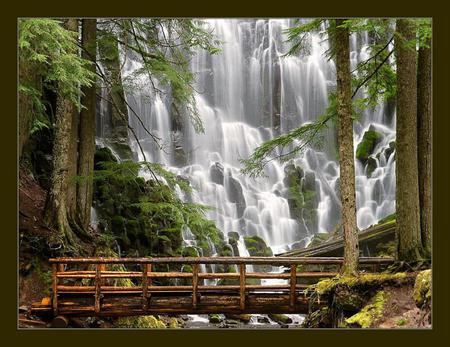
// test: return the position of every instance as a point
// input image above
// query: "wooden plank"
(55, 289)
(145, 286)
(221, 260)
(97, 288)
(293, 283)
(194, 285)
(242, 286)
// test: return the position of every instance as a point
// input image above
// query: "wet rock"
(216, 173)
(263, 320)
(280, 318)
(245, 318)
(236, 195)
(257, 247)
(371, 166)
(309, 183)
(233, 238)
(388, 151)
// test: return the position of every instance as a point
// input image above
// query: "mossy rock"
(370, 313)
(215, 318)
(367, 145)
(422, 288)
(256, 246)
(318, 319)
(318, 239)
(143, 322)
(190, 252)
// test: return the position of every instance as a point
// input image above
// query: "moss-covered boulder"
(301, 194)
(369, 315)
(367, 145)
(215, 318)
(422, 289)
(142, 322)
(257, 247)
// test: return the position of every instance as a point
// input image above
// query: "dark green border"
(188, 8)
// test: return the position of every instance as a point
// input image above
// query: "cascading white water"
(248, 94)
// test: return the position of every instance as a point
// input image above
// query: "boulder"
(216, 173)
(236, 195)
(367, 145)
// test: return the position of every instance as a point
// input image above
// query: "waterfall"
(248, 94)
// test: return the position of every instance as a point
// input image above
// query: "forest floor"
(400, 310)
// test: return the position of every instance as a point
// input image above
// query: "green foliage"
(165, 47)
(401, 322)
(297, 35)
(45, 276)
(52, 51)
(295, 141)
(146, 216)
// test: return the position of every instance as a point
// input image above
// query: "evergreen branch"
(372, 74)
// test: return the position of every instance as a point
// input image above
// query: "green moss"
(370, 313)
(319, 238)
(367, 145)
(422, 288)
(401, 322)
(215, 318)
(142, 322)
(280, 318)
(328, 285)
(256, 246)
(392, 217)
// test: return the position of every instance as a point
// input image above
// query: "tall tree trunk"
(346, 156)
(55, 215)
(407, 177)
(27, 77)
(424, 143)
(72, 166)
(87, 128)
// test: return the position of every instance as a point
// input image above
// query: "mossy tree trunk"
(346, 156)
(424, 142)
(28, 77)
(87, 128)
(56, 213)
(407, 177)
(108, 48)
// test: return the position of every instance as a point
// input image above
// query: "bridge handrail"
(220, 260)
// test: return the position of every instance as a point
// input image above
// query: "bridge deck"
(115, 287)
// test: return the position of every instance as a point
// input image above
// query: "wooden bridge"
(186, 285)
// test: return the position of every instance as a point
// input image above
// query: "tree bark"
(424, 143)
(28, 77)
(346, 151)
(55, 215)
(87, 128)
(407, 177)
(109, 53)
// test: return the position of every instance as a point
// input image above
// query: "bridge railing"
(95, 277)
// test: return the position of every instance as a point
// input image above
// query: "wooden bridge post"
(242, 286)
(55, 288)
(194, 285)
(293, 283)
(97, 287)
(145, 286)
